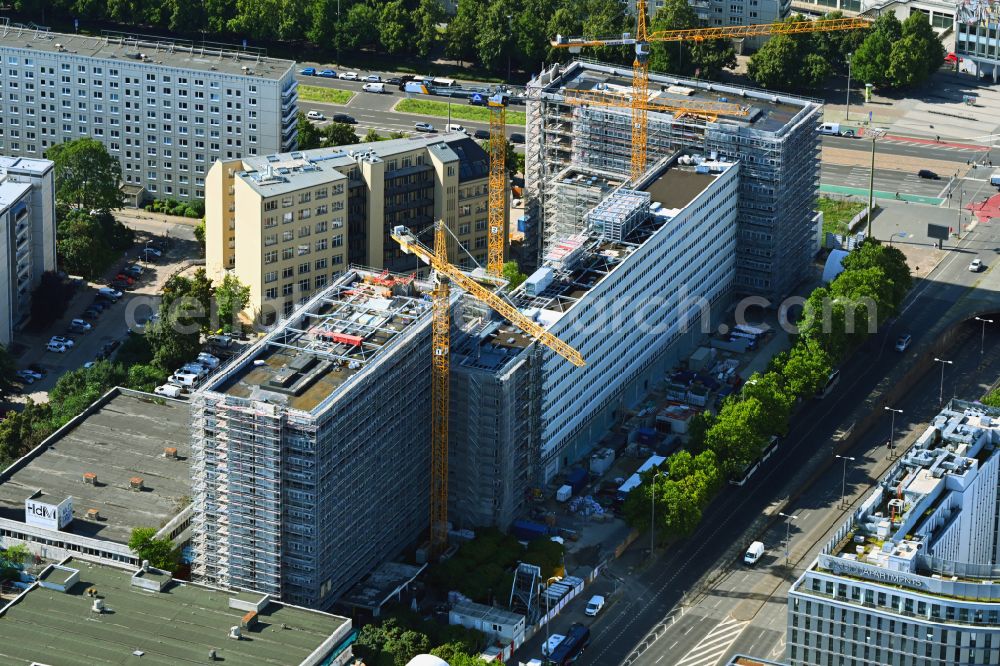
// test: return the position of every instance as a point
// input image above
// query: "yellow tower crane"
(441, 345)
(686, 107)
(498, 178)
(640, 67)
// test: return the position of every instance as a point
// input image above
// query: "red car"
(951, 59)
(125, 278)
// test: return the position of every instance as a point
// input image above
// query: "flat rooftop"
(210, 57)
(271, 175)
(768, 110)
(178, 625)
(11, 192)
(581, 261)
(123, 439)
(327, 342)
(35, 166)
(381, 585)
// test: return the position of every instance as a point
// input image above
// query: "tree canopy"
(86, 175)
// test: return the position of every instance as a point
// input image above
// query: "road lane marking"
(714, 646)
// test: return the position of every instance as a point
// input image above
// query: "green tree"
(86, 175)
(455, 655)
(372, 136)
(323, 24)
(494, 34)
(360, 27)
(531, 37)
(395, 31)
(705, 59)
(512, 273)
(339, 134)
(871, 62)
(608, 18)
(22, 431)
(146, 376)
(80, 247)
(231, 298)
(309, 135)
(835, 45)
(407, 646)
(199, 235)
(892, 262)
(735, 437)
(460, 40)
(806, 368)
(907, 64)
(17, 554)
(426, 17)
(917, 25)
(567, 23)
(160, 552)
(770, 390)
(697, 428)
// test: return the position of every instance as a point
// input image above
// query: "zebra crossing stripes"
(715, 645)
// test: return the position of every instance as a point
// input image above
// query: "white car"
(209, 361)
(348, 76)
(168, 390)
(456, 128)
(26, 376)
(976, 265)
(315, 115)
(109, 292)
(193, 368)
(60, 340)
(57, 348)
(373, 78)
(83, 325)
(151, 252)
(594, 606)
(903, 342)
(29, 373)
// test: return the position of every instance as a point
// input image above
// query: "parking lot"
(109, 328)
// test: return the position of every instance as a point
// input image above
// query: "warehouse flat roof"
(769, 111)
(178, 625)
(34, 166)
(323, 345)
(123, 439)
(133, 49)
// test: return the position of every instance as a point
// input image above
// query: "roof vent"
(135, 483)
(91, 592)
(234, 633)
(90, 478)
(170, 452)
(93, 514)
(145, 565)
(98, 606)
(212, 654)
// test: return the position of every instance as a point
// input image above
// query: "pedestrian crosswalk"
(715, 645)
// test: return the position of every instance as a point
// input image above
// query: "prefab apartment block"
(772, 135)
(312, 449)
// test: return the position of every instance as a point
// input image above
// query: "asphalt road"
(650, 625)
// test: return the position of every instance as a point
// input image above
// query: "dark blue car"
(308, 71)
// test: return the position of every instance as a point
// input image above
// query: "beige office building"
(289, 224)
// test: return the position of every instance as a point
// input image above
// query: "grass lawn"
(460, 110)
(836, 214)
(325, 95)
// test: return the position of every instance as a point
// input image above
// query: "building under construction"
(311, 450)
(773, 136)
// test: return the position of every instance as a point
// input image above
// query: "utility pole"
(982, 339)
(843, 479)
(847, 116)
(875, 134)
(788, 531)
(941, 393)
(892, 429)
(652, 513)
(961, 201)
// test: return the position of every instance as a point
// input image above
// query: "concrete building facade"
(288, 224)
(730, 12)
(312, 449)
(27, 237)
(166, 109)
(911, 577)
(633, 293)
(774, 138)
(977, 37)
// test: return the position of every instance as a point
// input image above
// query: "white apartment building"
(732, 12)
(27, 237)
(631, 294)
(911, 577)
(166, 109)
(977, 38)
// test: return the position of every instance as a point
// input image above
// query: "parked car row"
(188, 375)
(344, 76)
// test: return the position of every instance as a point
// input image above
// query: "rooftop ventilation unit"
(93, 514)
(170, 452)
(90, 478)
(135, 483)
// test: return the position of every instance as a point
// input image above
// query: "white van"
(833, 129)
(169, 390)
(374, 87)
(995, 179)
(455, 128)
(754, 553)
(184, 379)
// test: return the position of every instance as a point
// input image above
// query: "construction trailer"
(775, 142)
(311, 450)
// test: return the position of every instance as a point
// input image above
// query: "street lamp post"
(941, 392)
(788, 531)
(652, 514)
(553, 578)
(961, 201)
(843, 479)
(901, 234)
(892, 429)
(875, 134)
(847, 116)
(982, 339)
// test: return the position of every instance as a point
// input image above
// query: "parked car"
(951, 59)
(344, 118)
(109, 292)
(377, 88)
(27, 376)
(79, 326)
(308, 71)
(150, 250)
(928, 174)
(133, 270)
(328, 74)
(424, 127)
(169, 390)
(594, 606)
(903, 342)
(373, 78)
(89, 364)
(976, 265)
(455, 128)
(60, 340)
(121, 285)
(517, 138)
(194, 369)
(91, 313)
(394, 81)
(221, 341)
(183, 379)
(123, 277)
(209, 361)
(37, 369)
(754, 553)
(481, 134)
(316, 115)
(348, 76)
(57, 348)
(110, 347)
